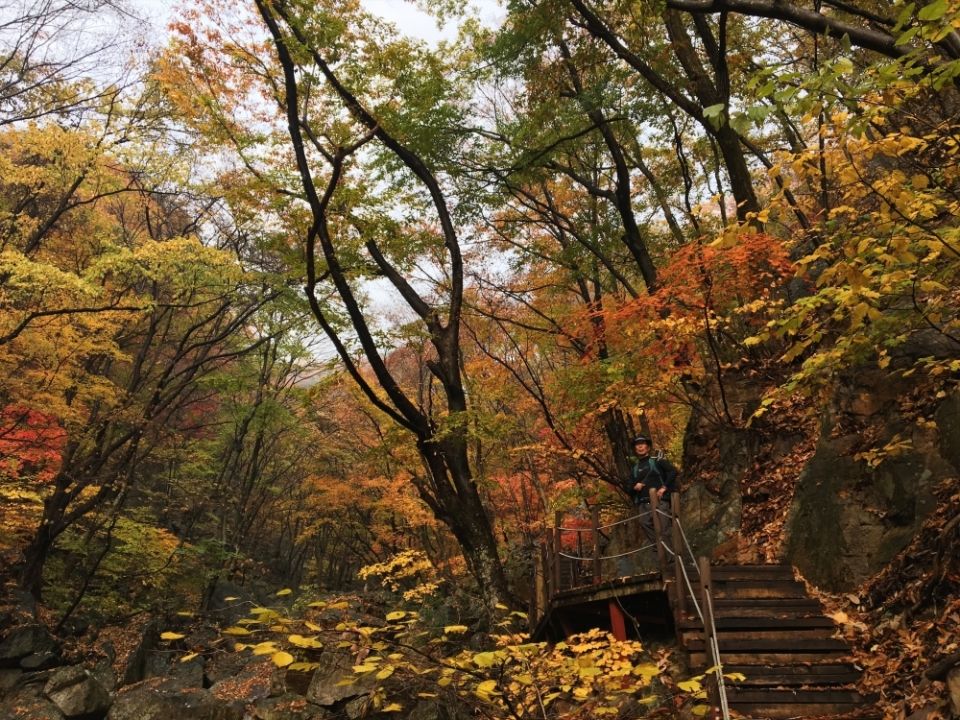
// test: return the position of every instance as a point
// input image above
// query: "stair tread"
(787, 695)
(801, 644)
(799, 669)
(761, 623)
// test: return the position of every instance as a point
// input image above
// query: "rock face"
(842, 505)
(853, 511)
(326, 689)
(716, 460)
(289, 707)
(953, 691)
(77, 693)
(28, 704)
(161, 699)
(26, 641)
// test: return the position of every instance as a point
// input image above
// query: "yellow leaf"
(285, 591)
(171, 636)
(396, 615)
(265, 648)
(312, 626)
(230, 599)
(303, 666)
(485, 689)
(304, 642)
(700, 710)
(317, 604)
(188, 657)
(393, 707)
(385, 673)
(236, 631)
(484, 659)
(365, 668)
(647, 671)
(455, 629)
(839, 617)
(690, 686)
(282, 659)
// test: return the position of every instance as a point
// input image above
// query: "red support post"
(618, 625)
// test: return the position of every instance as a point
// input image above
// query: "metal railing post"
(678, 554)
(658, 533)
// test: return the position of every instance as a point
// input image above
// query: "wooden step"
(785, 703)
(793, 696)
(751, 572)
(804, 645)
(792, 675)
(784, 635)
(770, 657)
(753, 607)
(757, 589)
(759, 623)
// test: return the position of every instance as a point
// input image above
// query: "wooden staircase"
(781, 655)
(777, 638)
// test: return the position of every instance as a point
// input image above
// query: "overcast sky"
(408, 18)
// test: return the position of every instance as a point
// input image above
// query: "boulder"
(9, 679)
(40, 661)
(26, 640)
(256, 681)
(329, 685)
(28, 703)
(953, 691)
(289, 707)
(948, 423)
(848, 519)
(163, 699)
(76, 692)
(436, 709)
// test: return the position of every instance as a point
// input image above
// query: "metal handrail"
(714, 647)
(718, 664)
(604, 527)
(686, 542)
(607, 557)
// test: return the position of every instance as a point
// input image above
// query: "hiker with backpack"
(656, 473)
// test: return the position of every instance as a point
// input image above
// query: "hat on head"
(642, 439)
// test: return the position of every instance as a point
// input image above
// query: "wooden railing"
(572, 557)
(567, 563)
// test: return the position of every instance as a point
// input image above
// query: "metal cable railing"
(706, 617)
(607, 557)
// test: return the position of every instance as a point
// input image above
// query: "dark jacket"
(653, 473)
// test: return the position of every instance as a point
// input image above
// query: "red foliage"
(31, 443)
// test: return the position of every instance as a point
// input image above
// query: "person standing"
(651, 473)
